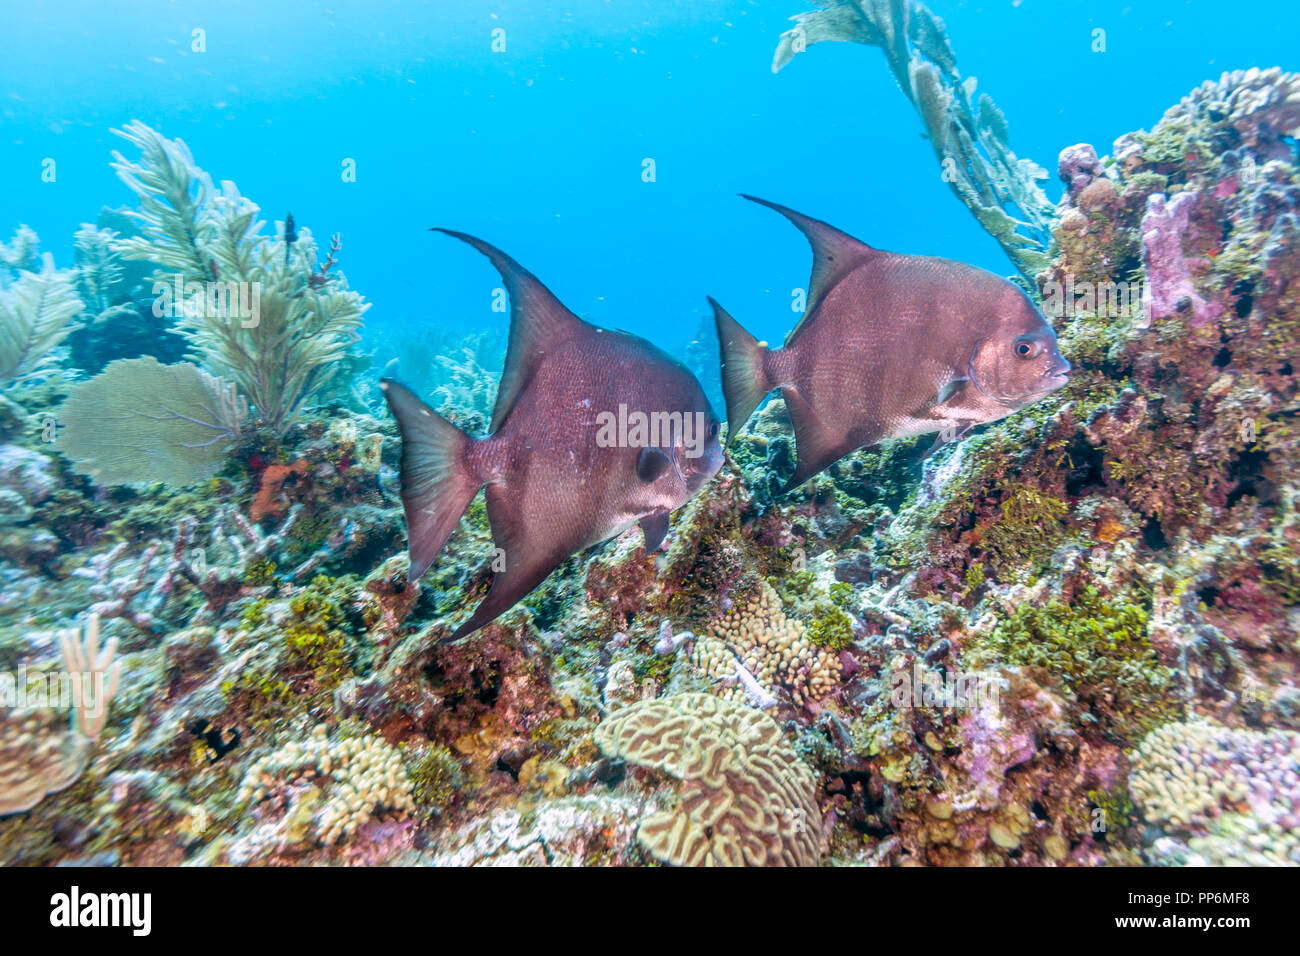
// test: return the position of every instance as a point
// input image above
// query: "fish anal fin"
(538, 322)
(526, 556)
(816, 445)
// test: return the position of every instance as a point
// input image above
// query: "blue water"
(539, 149)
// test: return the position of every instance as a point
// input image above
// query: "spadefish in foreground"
(562, 469)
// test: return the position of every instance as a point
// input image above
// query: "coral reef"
(1069, 639)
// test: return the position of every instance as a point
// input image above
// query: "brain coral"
(745, 797)
(37, 756)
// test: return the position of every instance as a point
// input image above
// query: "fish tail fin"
(746, 378)
(438, 481)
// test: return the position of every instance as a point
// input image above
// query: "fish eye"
(713, 429)
(1026, 348)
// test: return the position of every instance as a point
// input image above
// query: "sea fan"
(969, 136)
(140, 421)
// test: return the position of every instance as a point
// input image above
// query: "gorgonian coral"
(969, 137)
(254, 307)
(36, 314)
(140, 422)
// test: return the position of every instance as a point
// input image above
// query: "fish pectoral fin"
(959, 403)
(951, 390)
(655, 527)
(651, 463)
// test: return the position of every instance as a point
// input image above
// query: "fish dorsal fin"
(835, 254)
(538, 321)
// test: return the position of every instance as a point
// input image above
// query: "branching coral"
(36, 759)
(291, 335)
(1235, 792)
(969, 140)
(115, 594)
(236, 558)
(360, 776)
(241, 556)
(469, 388)
(758, 640)
(20, 253)
(99, 273)
(745, 798)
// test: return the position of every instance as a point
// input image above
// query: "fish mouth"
(710, 463)
(1049, 381)
(1056, 376)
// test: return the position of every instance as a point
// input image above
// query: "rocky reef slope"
(1072, 639)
